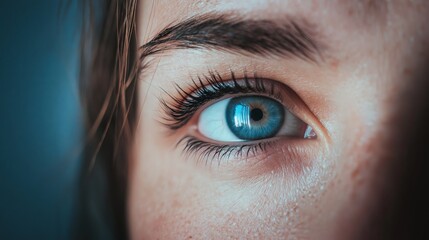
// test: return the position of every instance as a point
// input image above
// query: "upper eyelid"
(180, 109)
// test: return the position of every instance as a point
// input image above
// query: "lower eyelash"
(208, 152)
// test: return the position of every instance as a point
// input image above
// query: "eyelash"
(207, 151)
(179, 111)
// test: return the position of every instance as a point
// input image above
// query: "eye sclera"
(234, 120)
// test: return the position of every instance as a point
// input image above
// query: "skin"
(335, 185)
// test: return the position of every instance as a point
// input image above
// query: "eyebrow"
(230, 33)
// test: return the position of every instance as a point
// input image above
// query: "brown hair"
(108, 81)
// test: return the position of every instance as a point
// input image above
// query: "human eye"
(235, 117)
(249, 118)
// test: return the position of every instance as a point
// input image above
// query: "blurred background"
(40, 122)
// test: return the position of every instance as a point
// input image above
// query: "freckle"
(334, 64)
(355, 172)
(350, 12)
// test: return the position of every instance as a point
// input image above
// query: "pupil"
(256, 114)
(254, 117)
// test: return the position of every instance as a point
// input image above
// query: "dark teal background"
(40, 121)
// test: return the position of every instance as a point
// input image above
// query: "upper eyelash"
(179, 110)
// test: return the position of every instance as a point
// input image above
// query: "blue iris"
(254, 117)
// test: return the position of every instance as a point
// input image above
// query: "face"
(271, 119)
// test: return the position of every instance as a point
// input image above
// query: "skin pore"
(351, 94)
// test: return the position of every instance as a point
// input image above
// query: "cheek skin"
(170, 200)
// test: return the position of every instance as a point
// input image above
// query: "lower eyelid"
(288, 157)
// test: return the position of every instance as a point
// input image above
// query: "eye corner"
(310, 133)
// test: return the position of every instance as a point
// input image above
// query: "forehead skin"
(378, 54)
